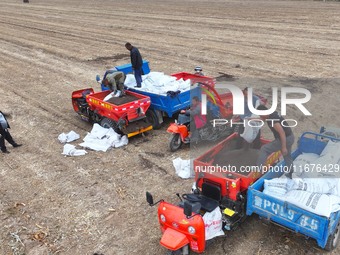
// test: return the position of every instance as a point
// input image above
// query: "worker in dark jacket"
(4, 134)
(136, 62)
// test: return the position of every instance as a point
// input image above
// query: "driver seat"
(209, 199)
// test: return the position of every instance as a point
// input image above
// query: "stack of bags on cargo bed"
(158, 83)
(315, 185)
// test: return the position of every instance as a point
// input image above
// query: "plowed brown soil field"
(51, 204)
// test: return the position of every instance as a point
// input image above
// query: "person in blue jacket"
(136, 62)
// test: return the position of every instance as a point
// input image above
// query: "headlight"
(191, 230)
(162, 217)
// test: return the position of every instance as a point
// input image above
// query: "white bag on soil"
(69, 137)
(182, 168)
(70, 150)
(101, 139)
(213, 224)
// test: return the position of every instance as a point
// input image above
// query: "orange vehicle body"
(180, 129)
(175, 223)
(232, 183)
(175, 229)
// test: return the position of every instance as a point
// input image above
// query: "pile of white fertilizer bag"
(315, 185)
(158, 83)
(99, 139)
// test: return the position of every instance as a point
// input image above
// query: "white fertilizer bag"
(213, 224)
(317, 203)
(277, 187)
(333, 149)
(109, 96)
(318, 185)
(303, 161)
(251, 130)
(69, 137)
(182, 168)
(70, 150)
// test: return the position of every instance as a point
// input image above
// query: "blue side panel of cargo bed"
(289, 215)
(127, 68)
(170, 104)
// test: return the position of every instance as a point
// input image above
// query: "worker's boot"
(122, 93)
(4, 150)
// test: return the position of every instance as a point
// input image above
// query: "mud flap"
(159, 116)
(137, 127)
(173, 240)
(142, 130)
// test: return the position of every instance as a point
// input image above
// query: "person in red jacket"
(5, 135)
(198, 120)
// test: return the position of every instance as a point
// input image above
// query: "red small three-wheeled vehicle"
(183, 225)
(126, 115)
(222, 104)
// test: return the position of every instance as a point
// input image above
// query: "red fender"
(176, 128)
(173, 240)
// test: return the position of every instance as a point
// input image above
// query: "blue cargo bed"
(165, 105)
(288, 215)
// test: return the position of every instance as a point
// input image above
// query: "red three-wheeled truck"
(225, 188)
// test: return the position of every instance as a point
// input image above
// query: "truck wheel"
(108, 123)
(182, 251)
(153, 119)
(175, 142)
(333, 239)
(178, 252)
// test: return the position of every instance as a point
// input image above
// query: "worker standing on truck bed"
(136, 62)
(284, 139)
(115, 81)
(5, 135)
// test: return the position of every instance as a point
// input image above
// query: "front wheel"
(175, 142)
(333, 239)
(183, 251)
(178, 252)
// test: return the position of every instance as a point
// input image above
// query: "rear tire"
(153, 119)
(109, 123)
(333, 239)
(175, 142)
